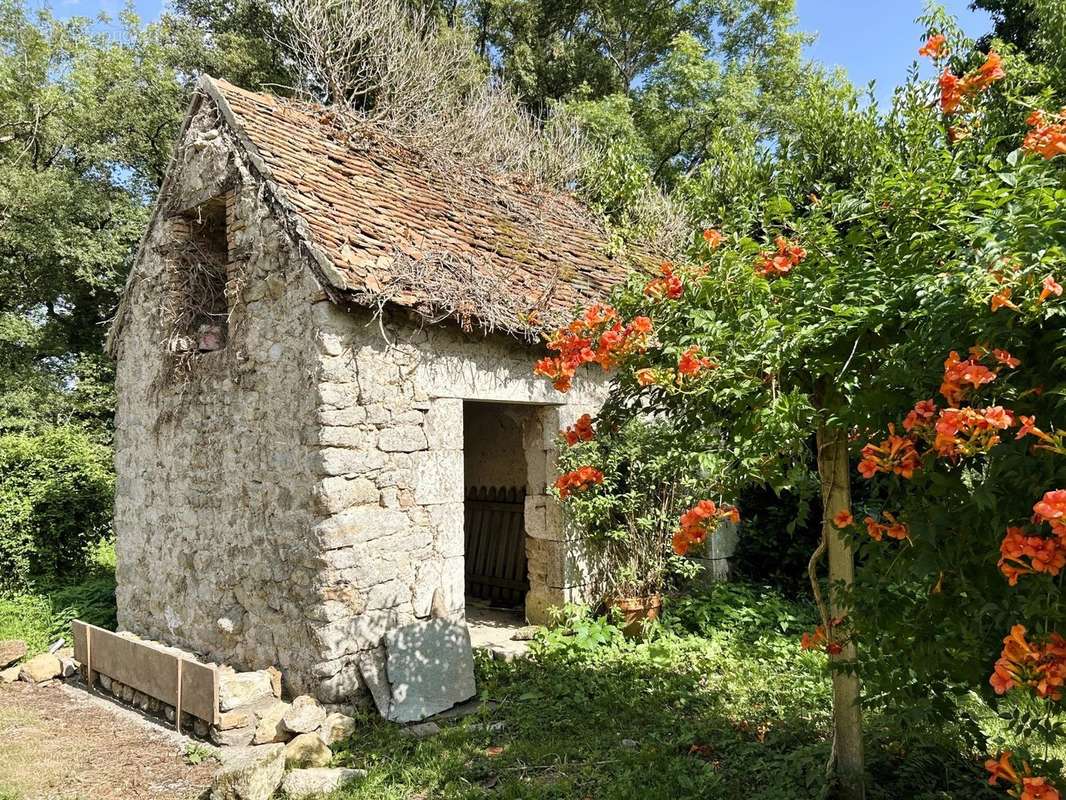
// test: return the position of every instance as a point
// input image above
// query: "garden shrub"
(56, 490)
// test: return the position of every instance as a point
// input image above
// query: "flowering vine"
(698, 521)
(596, 337)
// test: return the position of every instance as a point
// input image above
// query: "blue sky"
(875, 40)
(870, 40)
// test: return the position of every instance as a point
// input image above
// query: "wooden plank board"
(149, 670)
(495, 543)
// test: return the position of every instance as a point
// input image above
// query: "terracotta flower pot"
(635, 611)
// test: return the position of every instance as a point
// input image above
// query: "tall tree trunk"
(847, 714)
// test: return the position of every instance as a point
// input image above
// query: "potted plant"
(626, 489)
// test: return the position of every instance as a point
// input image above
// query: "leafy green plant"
(649, 477)
(575, 629)
(196, 753)
(56, 491)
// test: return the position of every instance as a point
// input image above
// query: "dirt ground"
(59, 742)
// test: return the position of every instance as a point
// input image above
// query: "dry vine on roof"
(464, 289)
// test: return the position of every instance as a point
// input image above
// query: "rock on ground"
(336, 728)
(11, 674)
(249, 773)
(305, 715)
(305, 783)
(307, 750)
(41, 668)
(11, 650)
(268, 727)
(430, 666)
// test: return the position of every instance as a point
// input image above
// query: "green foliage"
(196, 753)
(649, 479)
(907, 236)
(575, 629)
(56, 491)
(43, 614)
(89, 122)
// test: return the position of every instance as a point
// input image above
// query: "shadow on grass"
(697, 722)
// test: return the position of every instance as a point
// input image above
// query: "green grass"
(42, 615)
(720, 702)
(733, 709)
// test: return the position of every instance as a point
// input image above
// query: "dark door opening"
(495, 535)
(495, 477)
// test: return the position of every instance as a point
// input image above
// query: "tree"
(89, 121)
(836, 325)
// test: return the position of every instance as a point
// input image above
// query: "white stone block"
(337, 493)
(430, 667)
(342, 461)
(438, 476)
(444, 424)
(359, 524)
(402, 439)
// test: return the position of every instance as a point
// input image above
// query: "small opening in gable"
(200, 275)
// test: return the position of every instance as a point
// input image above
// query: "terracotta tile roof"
(368, 205)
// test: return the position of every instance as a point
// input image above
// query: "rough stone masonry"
(288, 496)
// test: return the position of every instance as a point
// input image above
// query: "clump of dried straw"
(387, 69)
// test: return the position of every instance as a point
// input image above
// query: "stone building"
(324, 346)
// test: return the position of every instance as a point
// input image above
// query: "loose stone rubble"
(41, 668)
(301, 784)
(307, 750)
(249, 773)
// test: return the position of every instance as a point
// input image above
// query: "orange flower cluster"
(1047, 134)
(819, 640)
(669, 285)
(1040, 666)
(1044, 555)
(713, 238)
(934, 47)
(697, 522)
(1001, 299)
(895, 455)
(843, 519)
(954, 90)
(577, 480)
(921, 417)
(691, 362)
(951, 432)
(892, 528)
(1051, 509)
(969, 431)
(963, 376)
(597, 337)
(780, 262)
(1024, 785)
(580, 431)
(1049, 287)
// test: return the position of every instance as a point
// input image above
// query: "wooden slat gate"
(496, 544)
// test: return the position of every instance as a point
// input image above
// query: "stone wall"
(391, 395)
(214, 498)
